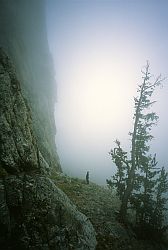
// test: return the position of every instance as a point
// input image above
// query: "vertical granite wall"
(23, 36)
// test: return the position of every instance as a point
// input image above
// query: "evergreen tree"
(149, 202)
(143, 195)
(161, 189)
(119, 157)
(135, 178)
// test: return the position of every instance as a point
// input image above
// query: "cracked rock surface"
(18, 146)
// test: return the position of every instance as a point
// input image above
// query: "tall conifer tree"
(137, 175)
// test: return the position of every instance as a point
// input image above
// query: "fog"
(99, 49)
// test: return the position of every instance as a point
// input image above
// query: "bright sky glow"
(99, 48)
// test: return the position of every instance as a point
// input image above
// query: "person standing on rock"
(87, 177)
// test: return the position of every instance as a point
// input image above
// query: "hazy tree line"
(141, 185)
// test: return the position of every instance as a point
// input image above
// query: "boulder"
(35, 214)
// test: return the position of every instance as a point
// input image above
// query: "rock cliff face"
(23, 36)
(18, 145)
(34, 213)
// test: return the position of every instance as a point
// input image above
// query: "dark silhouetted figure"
(87, 177)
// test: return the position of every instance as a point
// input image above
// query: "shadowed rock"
(35, 214)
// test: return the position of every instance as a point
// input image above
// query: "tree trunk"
(127, 193)
(131, 175)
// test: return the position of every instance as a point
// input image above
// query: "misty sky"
(99, 49)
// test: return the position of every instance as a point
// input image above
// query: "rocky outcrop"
(34, 213)
(23, 35)
(18, 145)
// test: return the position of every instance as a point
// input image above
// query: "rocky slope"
(101, 206)
(34, 213)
